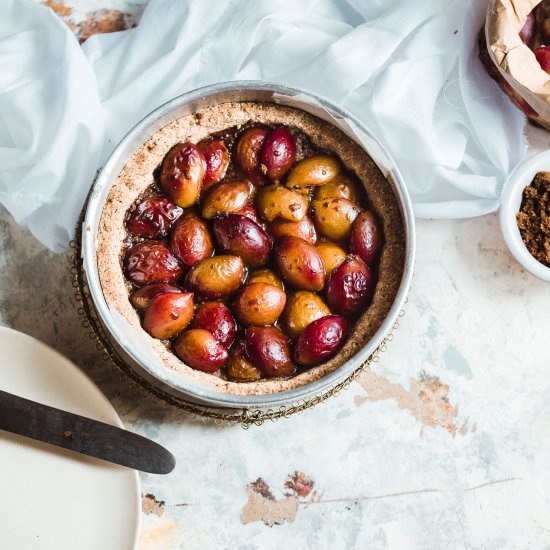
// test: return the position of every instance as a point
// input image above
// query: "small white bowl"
(510, 204)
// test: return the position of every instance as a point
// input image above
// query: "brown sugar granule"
(533, 218)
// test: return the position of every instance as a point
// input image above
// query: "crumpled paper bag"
(514, 60)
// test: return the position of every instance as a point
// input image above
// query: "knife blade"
(83, 435)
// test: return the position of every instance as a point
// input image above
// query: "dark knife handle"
(83, 435)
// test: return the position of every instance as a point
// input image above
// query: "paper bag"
(513, 63)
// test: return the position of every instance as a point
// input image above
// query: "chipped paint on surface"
(262, 505)
(262, 488)
(426, 399)
(270, 511)
(300, 484)
(150, 505)
(161, 534)
(360, 400)
(104, 20)
(59, 7)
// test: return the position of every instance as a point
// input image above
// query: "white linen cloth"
(408, 70)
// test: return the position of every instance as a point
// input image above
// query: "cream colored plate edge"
(52, 498)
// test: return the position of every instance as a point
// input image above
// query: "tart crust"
(137, 176)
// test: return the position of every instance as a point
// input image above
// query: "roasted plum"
(278, 153)
(340, 187)
(141, 297)
(190, 240)
(225, 198)
(152, 217)
(238, 367)
(321, 340)
(216, 277)
(303, 229)
(151, 262)
(333, 255)
(259, 304)
(275, 201)
(265, 276)
(268, 348)
(249, 210)
(241, 236)
(543, 57)
(333, 218)
(316, 170)
(216, 156)
(216, 318)
(302, 308)
(248, 153)
(527, 33)
(366, 237)
(350, 287)
(200, 350)
(299, 263)
(168, 314)
(182, 172)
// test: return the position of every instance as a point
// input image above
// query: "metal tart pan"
(143, 361)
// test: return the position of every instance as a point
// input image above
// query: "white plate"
(52, 498)
(510, 204)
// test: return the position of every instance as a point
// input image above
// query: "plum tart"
(253, 245)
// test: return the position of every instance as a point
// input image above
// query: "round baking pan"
(126, 341)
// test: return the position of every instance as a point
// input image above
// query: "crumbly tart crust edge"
(137, 175)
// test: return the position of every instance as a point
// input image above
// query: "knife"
(82, 435)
